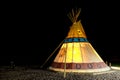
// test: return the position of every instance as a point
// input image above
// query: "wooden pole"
(51, 54)
(65, 68)
(65, 62)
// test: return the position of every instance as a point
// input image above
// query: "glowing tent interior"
(76, 54)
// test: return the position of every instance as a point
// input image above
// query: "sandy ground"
(22, 73)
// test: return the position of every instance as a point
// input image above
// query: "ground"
(25, 73)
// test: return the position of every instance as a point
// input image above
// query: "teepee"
(76, 54)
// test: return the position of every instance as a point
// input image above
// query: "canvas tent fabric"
(77, 54)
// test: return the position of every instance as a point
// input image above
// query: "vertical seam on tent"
(81, 53)
(61, 52)
(72, 51)
(89, 50)
(64, 52)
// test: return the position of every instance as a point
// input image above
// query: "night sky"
(30, 31)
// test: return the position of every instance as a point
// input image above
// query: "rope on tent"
(52, 54)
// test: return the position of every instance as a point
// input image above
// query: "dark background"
(30, 31)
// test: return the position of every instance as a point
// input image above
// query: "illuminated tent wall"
(76, 53)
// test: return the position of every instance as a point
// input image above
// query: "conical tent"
(76, 53)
